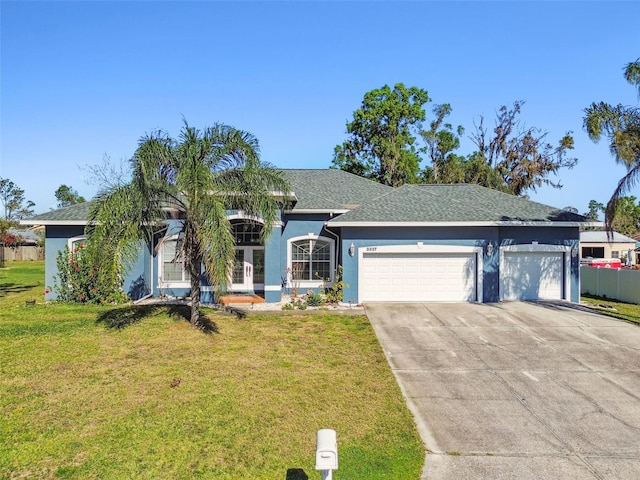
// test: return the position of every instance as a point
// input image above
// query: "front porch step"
(240, 299)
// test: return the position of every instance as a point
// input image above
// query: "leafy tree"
(520, 156)
(621, 125)
(12, 198)
(67, 196)
(383, 132)
(441, 140)
(627, 216)
(193, 179)
(595, 209)
(384, 146)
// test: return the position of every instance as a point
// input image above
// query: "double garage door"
(387, 276)
(416, 277)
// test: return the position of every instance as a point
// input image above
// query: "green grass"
(613, 308)
(86, 393)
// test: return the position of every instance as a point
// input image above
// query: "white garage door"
(418, 277)
(532, 276)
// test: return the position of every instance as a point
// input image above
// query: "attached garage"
(458, 243)
(534, 272)
(419, 273)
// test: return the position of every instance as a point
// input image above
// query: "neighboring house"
(28, 237)
(413, 243)
(599, 244)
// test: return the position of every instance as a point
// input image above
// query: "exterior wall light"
(489, 249)
(352, 250)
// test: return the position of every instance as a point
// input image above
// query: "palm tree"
(621, 125)
(194, 180)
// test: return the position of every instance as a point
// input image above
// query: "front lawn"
(614, 308)
(92, 392)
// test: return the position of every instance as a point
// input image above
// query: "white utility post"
(326, 453)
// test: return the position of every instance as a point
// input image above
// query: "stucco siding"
(299, 227)
(56, 239)
(456, 236)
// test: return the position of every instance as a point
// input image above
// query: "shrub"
(314, 299)
(335, 293)
(79, 279)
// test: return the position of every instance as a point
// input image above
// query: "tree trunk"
(195, 305)
(195, 292)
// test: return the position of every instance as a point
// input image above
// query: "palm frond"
(632, 74)
(626, 184)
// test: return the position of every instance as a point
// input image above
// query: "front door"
(248, 270)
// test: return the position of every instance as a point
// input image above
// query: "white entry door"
(248, 270)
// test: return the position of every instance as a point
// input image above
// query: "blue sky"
(85, 79)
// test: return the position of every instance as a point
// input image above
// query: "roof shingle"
(453, 203)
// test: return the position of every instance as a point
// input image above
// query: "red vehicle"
(602, 262)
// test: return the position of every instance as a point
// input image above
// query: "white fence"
(614, 283)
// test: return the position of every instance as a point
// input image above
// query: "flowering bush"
(79, 279)
(11, 240)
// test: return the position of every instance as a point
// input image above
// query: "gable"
(331, 190)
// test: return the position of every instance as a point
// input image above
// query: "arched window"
(246, 232)
(311, 260)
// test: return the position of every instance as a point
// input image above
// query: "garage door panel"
(532, 276)
(419, 277)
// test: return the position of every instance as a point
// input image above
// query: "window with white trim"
(75, 242)
(172, 263)
(246, 233)
(311, 259)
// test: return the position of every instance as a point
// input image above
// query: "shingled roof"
(331, 190)
(316, 190)
(362, 202)
(73, 215)
(450, 204)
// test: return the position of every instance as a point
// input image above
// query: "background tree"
(4, 226)
(67, 196)
(621, 125)
(595, 209)
(195, 180)
(16, 207)
(627, 216)
(383, 132)
(441, 140)
(626, 219)
(384, 146)
(520, 156)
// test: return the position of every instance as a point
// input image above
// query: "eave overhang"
(54, 222)
(509, 223)
(332, 211)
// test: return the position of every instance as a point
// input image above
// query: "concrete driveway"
(517, 390)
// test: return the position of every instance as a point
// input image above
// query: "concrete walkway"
(517, 390)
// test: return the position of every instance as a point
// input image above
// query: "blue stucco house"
(452, 243)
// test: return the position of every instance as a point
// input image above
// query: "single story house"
(599, 244)
(450, 243)
(27, 237)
